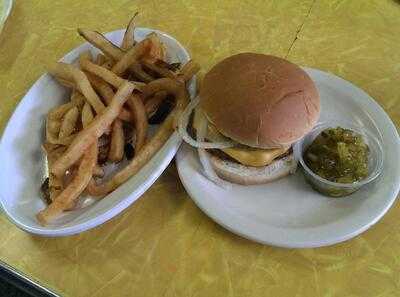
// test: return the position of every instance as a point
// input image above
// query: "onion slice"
(205, 159)
(182, 130)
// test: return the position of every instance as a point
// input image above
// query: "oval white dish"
(22, 161)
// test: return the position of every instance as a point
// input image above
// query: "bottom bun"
(248, 175)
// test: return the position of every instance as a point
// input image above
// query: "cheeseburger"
(252, 108)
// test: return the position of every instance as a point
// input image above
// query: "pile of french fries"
(123, 86)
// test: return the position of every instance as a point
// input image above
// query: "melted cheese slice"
(244, 155)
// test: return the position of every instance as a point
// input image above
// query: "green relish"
(339, 155)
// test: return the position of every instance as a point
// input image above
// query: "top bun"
(259, 100)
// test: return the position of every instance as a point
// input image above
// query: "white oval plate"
(21, 157)
(5, 12)
(287, 212)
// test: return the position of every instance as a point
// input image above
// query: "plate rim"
(7, 9)
(125, 202)
(234, 228)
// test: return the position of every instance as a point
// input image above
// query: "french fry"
(103, 73)
(147, 152)
(162, 72)
(85, 56)
(53, 139)
(162, 84)
(98, 40)
(54, 126)
(87, 115)
(107, 75)
(131, 56)
(188, 70)
(135, 103)
(171, 87)
(112, 51)
(100, 59)
(73, 190)
(101, 87)
(68, 122)
(77, 99)
(55, 183)
(154, 145)
(116, 152)
(108, 64)
(55, 186)
(53, 152)
(64, 141)
(98, 171)
(140, 74)
(157, 49)
(129, 39)
(66, 83)
(107, 93)
(70, 72)
(87, 118)
(95, 129)
(58, 112)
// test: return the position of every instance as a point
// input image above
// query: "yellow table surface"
(163, 245)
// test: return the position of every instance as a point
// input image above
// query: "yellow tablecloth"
(163, 245)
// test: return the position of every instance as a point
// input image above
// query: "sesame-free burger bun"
(260, 100)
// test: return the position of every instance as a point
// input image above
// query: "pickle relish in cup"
(338, 158)
(338, 155)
